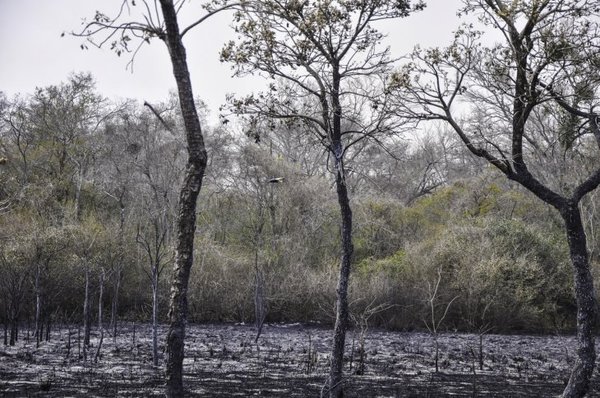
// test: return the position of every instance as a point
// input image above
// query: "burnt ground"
(292, 361)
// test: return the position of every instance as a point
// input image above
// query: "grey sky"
(34, 55)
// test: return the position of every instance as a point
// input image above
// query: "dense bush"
(101, 199)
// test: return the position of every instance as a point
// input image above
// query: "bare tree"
(154, 244)
(85, 239)
(435, 317)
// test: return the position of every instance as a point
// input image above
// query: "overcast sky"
(33, 54)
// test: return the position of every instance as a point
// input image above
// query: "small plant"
(433, 325)
(311, 356)
(361, 320)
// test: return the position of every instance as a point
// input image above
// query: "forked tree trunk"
(186, 218)
(587, 311)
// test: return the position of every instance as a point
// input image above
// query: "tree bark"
(38, 305)
(100, 326)
(341, 320)
(155, 314)
(115, 303)
(86, 310)
(186, 218)
(117, 276)
(579, 381)
(260, 307)
(78, 194)
(14, 330)
(259, 279)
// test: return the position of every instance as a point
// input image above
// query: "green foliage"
(506, 261)
(499, 249)
(392, 266)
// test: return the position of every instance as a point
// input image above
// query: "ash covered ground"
(291, 361)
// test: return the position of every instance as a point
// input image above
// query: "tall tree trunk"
(13, 325)
(115, 303)
(48, 322)
(341, 320)
(260, 304)
(38, 305)
(86, 310)
(78, 193)
(14, 331)
(118, 271)
(155, 314)
(579, 382)
(100, 326)
(259, 279)
(186, 218)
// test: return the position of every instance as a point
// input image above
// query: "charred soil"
(290, 361)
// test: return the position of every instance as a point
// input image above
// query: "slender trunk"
(38, 305)
(115, 304)
(78, 194)
(13, 331)
(117, 286)
(259, 305)
(155, 314)
(79, 341)
(100, 326)
(68, 341)
(48, 320)
(437, 352)
(86, 310)
(579, 382)
(16, 330)
(186, 218)
(13, 319)
(260, 309)
(481, 351)
(341, 320)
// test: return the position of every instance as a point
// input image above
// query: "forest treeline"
(425, 235)
(88, 201)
